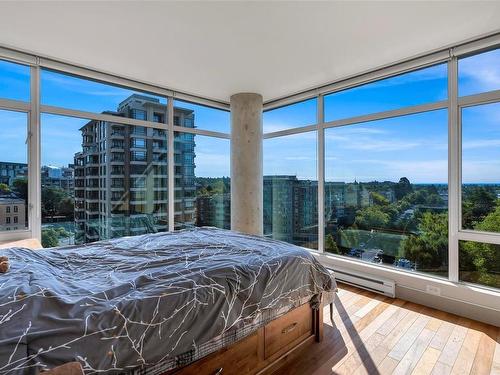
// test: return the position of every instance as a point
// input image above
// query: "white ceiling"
(216, 49)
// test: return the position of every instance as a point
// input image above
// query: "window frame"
(453, 104)
(34, 109)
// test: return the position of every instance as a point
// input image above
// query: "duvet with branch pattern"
(135, 301)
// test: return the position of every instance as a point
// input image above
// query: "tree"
(372, 217)
(51, 198)
(429, 248)
(480, 262)
(20, 186)
(4, 188)
(402, 188)
(378, 199)
(331, 245)
(49, 238)
(479, 202)
(66, 207)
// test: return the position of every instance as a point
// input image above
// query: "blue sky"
(412, 146)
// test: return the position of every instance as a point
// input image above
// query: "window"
(479, 73)
(13, 165)
(202, 184)
(138, 156)
(480, 169)
(479, 261)
(7, 220)
(63, 90)
(191, 115)
(138, 143)
(15, 219)
(158, 117)
(138, 114)
(14, 81)
(417, 87)
(291, 189)
(101, 207)
(291, 116)
(386, 192)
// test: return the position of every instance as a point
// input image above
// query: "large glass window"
(291, 116)
(479, 73)
(386, 192)
(417, 87)
(480, 263)
(192, 115)
(480, 167)
(14, 81)
(291, 189)
(13, 171)
(63, 90)
(93, 187)
(202, 183)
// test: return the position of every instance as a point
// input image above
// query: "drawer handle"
(290, 328)
(219, 371)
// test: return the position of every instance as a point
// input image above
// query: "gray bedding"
(136, 301)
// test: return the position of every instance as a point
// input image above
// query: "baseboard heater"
(374, 284)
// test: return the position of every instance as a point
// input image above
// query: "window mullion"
(454, 167)
(321, 174)
(170, 164)
(34, 184)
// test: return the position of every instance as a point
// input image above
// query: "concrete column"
(246, 163)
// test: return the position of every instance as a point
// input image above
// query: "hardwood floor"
(376, 335)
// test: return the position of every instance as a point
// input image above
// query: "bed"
(155, 304)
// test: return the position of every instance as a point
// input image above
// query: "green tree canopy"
(429, 248)
(331, 245)
(478, 202)
(372, 217)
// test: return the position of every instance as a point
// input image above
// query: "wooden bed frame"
(263, 351)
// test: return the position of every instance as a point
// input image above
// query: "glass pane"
(68, 91)
(202, 183)
(480, 168)
(93, 185)
(14, 81)
(418, 87)
(480, 263)
(479, 73)
(191, 115)
(291, 116)
(386, 192)
(291, 189)
(13, 171)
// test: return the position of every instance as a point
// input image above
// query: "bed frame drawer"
(263, 351)
(293, 326)
(239, 358)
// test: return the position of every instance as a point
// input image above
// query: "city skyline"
(361, 148)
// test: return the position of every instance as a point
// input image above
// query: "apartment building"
(12, 213)
(121, 173)
(10, 171)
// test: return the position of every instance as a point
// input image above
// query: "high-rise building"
(121, 173)
(290, 209)
(59, 177)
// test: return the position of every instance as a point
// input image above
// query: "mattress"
(147, 303)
